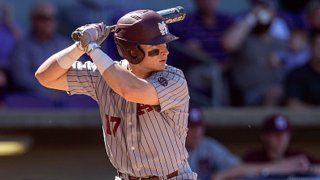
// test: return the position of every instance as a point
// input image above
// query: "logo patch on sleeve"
(163, 81)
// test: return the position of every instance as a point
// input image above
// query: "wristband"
(100, 59)
(92, 46)
(68, 56)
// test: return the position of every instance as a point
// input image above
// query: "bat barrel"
(171, 12)
(173, 15)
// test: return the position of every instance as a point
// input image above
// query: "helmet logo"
(163, 28)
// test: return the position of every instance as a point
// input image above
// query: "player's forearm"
(58, 64)
(315, 169)
(123, 82)
(234, 37)
(130, 87)
(296, 103)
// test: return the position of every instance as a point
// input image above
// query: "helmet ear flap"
(137, 54)
(140, 55)
(130, 51)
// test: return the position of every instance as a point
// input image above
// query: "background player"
(143, 102)
(213, 161)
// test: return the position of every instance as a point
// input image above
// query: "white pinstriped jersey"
(140, 139)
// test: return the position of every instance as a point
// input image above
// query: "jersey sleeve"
(171, 87)
(82, 78)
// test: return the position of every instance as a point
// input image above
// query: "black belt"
(171, 175)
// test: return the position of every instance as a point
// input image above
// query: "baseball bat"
(170, 15)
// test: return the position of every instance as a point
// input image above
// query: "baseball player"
(143, 101)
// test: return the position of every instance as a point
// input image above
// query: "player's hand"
(264, 15)
(96, 32)
(294, 164)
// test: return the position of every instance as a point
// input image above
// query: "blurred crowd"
(266, 56)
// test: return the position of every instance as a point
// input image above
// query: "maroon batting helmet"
(276, 123)
(195, 117)
(140, 27)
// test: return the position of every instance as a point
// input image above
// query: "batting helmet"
(140, 27)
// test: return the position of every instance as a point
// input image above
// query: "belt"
(171, 175)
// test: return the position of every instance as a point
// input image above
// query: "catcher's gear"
(140, 27)
(91, 33)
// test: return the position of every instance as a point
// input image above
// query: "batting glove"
(90, 33)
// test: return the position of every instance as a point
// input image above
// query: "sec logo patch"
(163, 81)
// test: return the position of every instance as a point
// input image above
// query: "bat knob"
(76, 35)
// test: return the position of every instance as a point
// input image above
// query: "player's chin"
(162, 65)
(160, 68)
